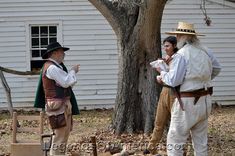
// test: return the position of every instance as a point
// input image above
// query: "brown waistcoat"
(51, 88)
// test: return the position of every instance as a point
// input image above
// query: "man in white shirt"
(57, 87)
(192, 70)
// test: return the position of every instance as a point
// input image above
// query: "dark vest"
(52, 89)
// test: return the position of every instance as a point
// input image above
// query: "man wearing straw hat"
(191, 74)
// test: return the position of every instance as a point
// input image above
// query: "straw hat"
(185, 28)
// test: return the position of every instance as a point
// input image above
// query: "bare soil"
(221, 134)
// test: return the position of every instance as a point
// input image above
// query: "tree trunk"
(137, 92)
(137, 26)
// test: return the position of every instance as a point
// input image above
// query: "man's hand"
(167, 57)
(76, 68)
(158, 69)
(159, 79)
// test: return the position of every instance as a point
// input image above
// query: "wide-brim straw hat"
(184, 28)
(52, 47)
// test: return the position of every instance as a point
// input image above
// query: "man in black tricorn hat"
(54, 93)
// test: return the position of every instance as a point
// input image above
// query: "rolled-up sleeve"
(61, 77)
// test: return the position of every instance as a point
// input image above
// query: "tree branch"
(107, 9)
(18, 72)
(8, 92)
(117, 13)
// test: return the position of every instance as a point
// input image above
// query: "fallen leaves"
(221, 134)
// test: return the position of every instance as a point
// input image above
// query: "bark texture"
(137, 26)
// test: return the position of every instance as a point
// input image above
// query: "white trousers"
(193, 120)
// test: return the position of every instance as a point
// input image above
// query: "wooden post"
(14, 127)
(8, 92)
(41, 122)
(94, 148)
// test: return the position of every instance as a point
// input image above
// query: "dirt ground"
(221, 134)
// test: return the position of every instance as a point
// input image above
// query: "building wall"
(93, 45)
(220, 37)
(89, 36)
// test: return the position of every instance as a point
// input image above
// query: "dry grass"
(221, 132)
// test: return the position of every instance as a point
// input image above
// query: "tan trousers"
(60, 139)
(193, 120)
(162, 116)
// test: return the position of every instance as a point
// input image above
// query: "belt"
(197, 93)
(176, 93)
(166, 86)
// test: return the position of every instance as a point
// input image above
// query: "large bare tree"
(137, 26)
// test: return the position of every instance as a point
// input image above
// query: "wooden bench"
(26, 147)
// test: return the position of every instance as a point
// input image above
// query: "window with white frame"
(40, 37)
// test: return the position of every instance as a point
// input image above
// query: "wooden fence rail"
(6, 86)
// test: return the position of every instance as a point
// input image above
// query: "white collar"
(55, 62)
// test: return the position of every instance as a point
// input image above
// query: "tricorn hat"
(52, 47)
(184, 28)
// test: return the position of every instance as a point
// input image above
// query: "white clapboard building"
(220, 37)
(27, 26)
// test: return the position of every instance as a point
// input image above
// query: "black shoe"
(146, 151)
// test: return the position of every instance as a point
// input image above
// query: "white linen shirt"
(177, 70)
(215, 64)
(64, 79)
(178, 66)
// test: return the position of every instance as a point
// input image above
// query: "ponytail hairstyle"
(173, 41)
